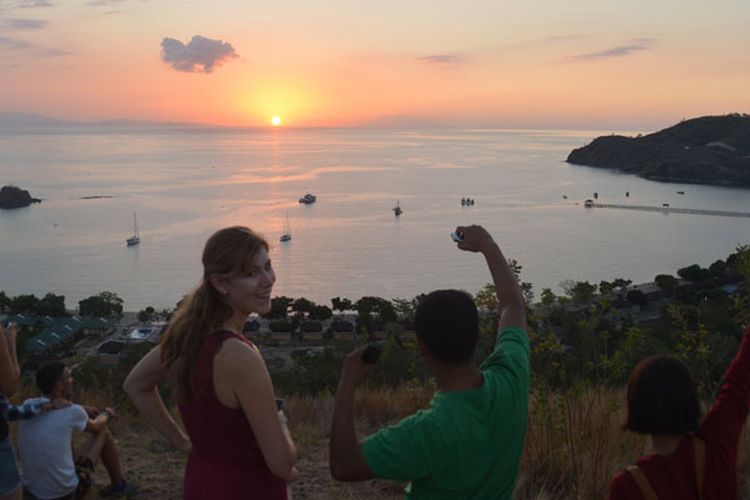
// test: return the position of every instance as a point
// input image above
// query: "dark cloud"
(25, 24)
(636, 45)
(200, 55)
(441, 59)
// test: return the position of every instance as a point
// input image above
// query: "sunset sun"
(276, 121)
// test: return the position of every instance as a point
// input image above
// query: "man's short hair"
(447, 323)
(48, 375)
(662, 398)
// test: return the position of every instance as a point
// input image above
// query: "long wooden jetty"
(668, 209)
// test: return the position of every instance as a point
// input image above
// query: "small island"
(706, 150)
(15, 197)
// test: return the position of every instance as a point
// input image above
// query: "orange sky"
(335, 63)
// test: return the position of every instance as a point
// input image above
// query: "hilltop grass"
(574, 445)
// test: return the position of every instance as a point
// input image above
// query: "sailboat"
(136, 238)
(397, 209)
(287, 236)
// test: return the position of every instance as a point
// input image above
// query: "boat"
(308, 199)
(397, 209)
(287, 236)
(680, 192)
(136, 238)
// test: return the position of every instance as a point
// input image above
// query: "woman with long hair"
(237, 439)
(690, 458)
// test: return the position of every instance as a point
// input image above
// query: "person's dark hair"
(662, 398)
(447, 323)
(48, 375)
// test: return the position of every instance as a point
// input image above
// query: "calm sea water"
(184, 184)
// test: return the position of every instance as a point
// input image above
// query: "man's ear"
(218, 282)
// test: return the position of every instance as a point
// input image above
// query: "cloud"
(34, 4)
(636, 45)
(25, 24)
(104, 3)
(200, 55)
(441, 59)
(13, 43)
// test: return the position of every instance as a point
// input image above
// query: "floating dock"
(662, 209)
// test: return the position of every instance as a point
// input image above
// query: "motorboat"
(308, 199)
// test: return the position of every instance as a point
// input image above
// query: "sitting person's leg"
(102, 446)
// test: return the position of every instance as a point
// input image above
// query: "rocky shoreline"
(711, 150)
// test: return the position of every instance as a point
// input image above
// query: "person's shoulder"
(35, 401)
(236, 354)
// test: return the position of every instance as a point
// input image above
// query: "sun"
(276, 121)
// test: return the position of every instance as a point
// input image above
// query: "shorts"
(10, 481)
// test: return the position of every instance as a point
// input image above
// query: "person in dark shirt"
(690, 458)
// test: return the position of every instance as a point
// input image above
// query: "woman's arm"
(242, 370)
(726, 418)
(141, 385)
(10, 375)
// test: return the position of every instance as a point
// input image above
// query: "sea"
(183, 183)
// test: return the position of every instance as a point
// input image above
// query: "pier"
(668, 209)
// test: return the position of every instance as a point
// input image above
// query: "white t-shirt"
(44, 445)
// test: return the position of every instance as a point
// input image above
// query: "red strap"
(642, 481)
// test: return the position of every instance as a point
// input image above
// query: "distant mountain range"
(32, 120)
(706, 150)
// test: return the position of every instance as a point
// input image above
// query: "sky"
(622, 64)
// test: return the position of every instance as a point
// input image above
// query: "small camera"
(457, 236)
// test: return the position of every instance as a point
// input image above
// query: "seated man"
(468, 442)
(45, 443)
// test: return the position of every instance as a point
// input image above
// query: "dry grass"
(574, 445)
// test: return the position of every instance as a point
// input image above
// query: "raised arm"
(726, 418)
(10, 375)
(141, 385)
(346, 458)
(511, 305)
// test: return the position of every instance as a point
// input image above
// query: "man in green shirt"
(467, 443)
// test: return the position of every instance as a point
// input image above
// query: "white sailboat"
(287, 236)
(136, 238)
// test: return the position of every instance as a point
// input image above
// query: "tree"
(526, 288)
(606, 287)
(104, 304)
(279, 307)
(320, 313)
(637, 297)
(548, 297)
(5, 302)
(486, 298)
(579, 291)
(303, 305)
(24, 304)
(341, 305)
(666, 281)
(146, 315)
(695, 273)
(52, 305)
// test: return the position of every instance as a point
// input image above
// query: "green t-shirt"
(466, 444)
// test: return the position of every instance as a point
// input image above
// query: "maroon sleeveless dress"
(226, 461)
